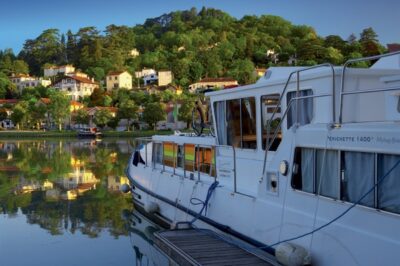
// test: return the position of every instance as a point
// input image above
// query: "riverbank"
(73, 134)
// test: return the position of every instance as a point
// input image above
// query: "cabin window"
(236, 123)
(321, 172)
(327, 171)
(304, 114)
(268, 105)
(388, 190)
(157, 154)
(169, 154)
(357, 176)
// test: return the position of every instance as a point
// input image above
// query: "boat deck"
(205, 247)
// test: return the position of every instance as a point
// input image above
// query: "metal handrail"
(267, 147)
(197, 161)
(351, 61)
(297, 72)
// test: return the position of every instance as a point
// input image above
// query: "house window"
(115, 78)
(268, 105)
(236, 122)
(303, 112)
(357, 176)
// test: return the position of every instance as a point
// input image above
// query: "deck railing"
(171, 163)
(297, 98)
(342, 83)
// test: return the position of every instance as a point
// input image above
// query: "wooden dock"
(205, 247)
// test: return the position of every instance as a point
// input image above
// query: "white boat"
(329, 181)
(90, 132)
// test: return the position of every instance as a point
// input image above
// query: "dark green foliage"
(153, 113)
(192, 44)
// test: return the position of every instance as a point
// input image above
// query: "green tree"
(369, 42)
(102, 117)
(59, 107)
(3, 114)
(185, 111)
(37, 112)
(19, 114)
(81, 117)
(127, 110)
(20, 67)
(6, 86)
(243, 71)
(153, 113)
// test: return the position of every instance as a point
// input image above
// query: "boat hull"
(262, 223)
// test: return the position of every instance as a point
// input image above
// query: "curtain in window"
(359, 172)
(220, 116)
(305, 108)
(388, 190)
(327, 172)
(307, 170)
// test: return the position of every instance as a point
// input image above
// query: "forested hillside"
(192, 44)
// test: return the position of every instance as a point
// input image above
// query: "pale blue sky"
(23, 19)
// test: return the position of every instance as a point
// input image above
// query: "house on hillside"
(164, 77)
(23, 81)
(52, 71)
(6, 106)
(118, 79)
(144, 72)
(208, 83)
(75, 86)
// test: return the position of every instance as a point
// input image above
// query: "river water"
(60, 205)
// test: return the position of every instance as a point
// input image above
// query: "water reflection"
(70, 190)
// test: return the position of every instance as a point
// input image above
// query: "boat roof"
(385, 67)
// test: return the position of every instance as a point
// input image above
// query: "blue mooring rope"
(197, 201)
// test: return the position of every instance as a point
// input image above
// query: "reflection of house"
(78, 177)
(118, 79)
(115, 182)
(27, 186)
(76, 87)
(208, 83)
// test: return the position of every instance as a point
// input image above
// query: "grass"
(73, 134)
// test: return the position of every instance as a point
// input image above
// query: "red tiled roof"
(77, 78)
(216, 80)
(11, 101)
(20, 76)
(45, 100)
(76, 103)
(83, 80)
(393, 47)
